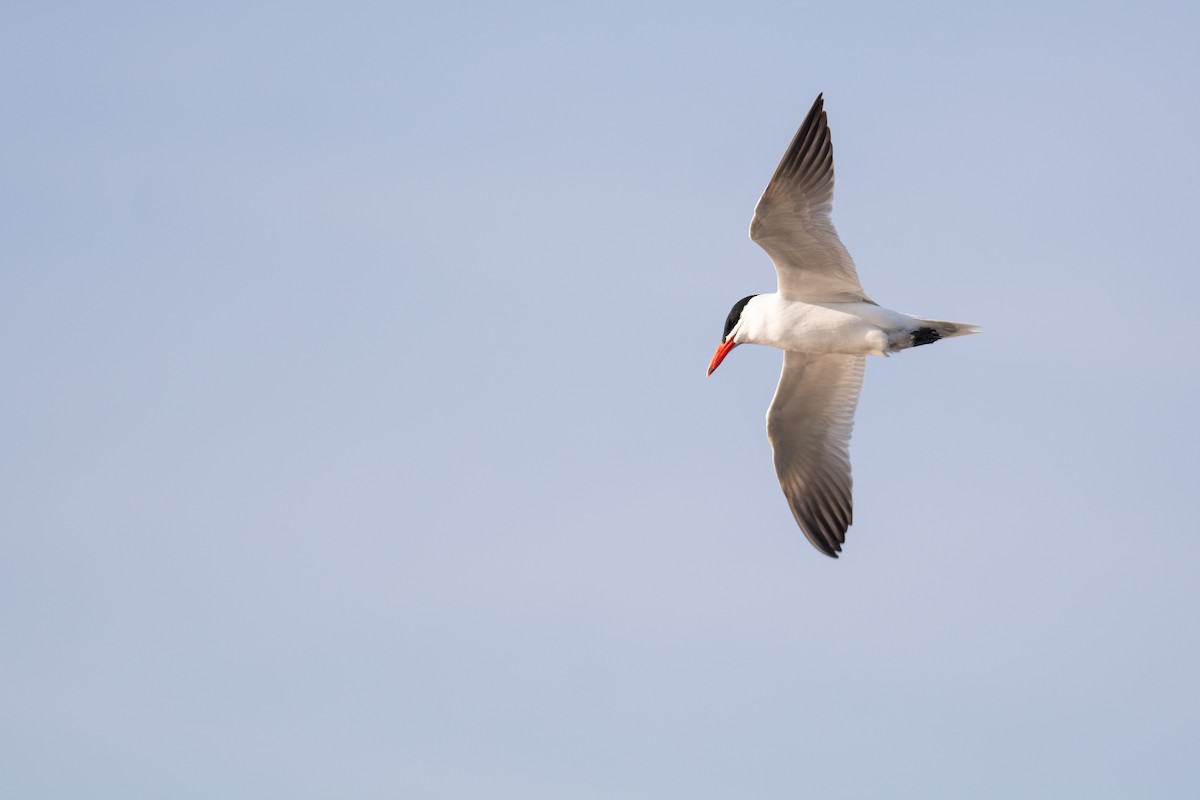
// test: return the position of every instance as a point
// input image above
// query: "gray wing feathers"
(791, 221)
(809, 425)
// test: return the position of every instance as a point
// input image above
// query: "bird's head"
(729, 338)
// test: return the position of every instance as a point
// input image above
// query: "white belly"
(848, 328)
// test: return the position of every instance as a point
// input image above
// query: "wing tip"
(825, 548)
(826, 539)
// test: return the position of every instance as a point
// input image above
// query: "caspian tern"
(826, 326)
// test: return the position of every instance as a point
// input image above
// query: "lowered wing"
(809, 424)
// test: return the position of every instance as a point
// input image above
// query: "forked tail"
(931, 330)
(947, 329)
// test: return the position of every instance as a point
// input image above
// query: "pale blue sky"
(357, 442)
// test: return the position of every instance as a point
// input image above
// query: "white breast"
(847, 328)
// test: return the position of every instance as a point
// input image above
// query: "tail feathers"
(944, 330)
(929, 331)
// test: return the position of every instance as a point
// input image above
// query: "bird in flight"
(825, 325)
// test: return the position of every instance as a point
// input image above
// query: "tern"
(825, 325)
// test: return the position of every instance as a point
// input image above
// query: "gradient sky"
(356, 440)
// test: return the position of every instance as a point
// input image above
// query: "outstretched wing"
(809, 425)
(791, 221)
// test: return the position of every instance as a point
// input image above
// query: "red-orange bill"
(719, 356)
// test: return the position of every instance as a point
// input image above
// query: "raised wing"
(809, 424)
(791, 221)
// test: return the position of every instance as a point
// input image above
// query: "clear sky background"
(356, 440)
